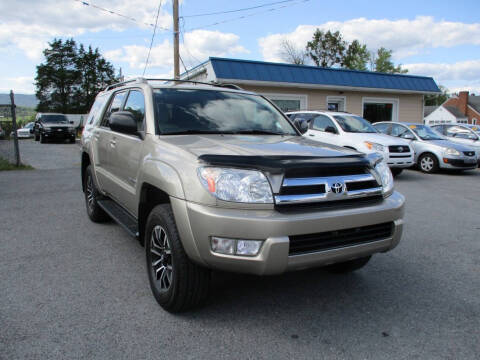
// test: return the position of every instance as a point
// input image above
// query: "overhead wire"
(153, 36)
(238, 10)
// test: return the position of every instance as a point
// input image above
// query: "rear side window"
(115, 106)
(398, 130)
(96, 110)
(135, 104)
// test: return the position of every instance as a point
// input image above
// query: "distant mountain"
(20, 100)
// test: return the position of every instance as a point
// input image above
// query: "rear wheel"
(396, 171)
(348, 266)
(428, 163)
(176, 282)
(94, 211)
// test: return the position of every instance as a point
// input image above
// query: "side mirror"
(330, 129)
(302, 126)
(408, 136)
(123, 122)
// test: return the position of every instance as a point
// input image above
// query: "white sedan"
(24, 132)
(354, 132)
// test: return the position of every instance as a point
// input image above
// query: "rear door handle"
(113, 143)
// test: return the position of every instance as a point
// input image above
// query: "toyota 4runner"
(214, 177)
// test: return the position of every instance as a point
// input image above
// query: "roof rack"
(143, 80)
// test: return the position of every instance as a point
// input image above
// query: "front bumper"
(400, 160)
(459, 163)
(197, 223)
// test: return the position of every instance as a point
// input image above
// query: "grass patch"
(5, 165)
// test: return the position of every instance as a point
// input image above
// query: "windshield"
(184, 111)
(57, 119)
(29, 126)
(354, 124)
(425, 132)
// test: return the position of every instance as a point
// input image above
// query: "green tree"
(326, 49)
(71, 77)
(356, 57)
(382, 62)
(437, 99)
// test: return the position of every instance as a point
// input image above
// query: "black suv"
(50, 126)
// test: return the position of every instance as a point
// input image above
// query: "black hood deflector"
(279, 164)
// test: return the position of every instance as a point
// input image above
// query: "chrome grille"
(328, 188)
(469, 153)
(399, 149)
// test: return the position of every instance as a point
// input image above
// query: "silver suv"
(213, 177)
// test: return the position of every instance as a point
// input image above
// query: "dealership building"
(375, 96)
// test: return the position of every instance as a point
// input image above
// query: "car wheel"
(176, 282)
(42, 139)
(428, 163)
(94, 211)
(36, 137)
(348, 266)
(396, 171)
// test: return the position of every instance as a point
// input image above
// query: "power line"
(153, 37)
(238, 10)
(246, 16)
(86, 3)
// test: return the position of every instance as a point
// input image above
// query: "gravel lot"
(74, 289)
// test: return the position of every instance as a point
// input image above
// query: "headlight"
(374, 146)
(452, 151)
(237, 185)
(384, 176)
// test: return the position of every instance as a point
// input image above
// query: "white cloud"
(198, 46)
(405, 37)
(463, 70)
(19, 85)
(30, 24)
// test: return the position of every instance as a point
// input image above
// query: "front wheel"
(428, 163)
(94, 211)
(42, 139)
(176, 282)
(348, 266)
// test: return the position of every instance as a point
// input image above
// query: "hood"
(381, 139)
(257, 145)
(449, 144)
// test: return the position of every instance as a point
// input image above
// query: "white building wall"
(440, 116)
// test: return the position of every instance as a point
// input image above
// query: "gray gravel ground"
(73, 289)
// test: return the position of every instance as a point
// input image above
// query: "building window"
(380, 109)
(288, 102)
(336, 103)
(474, 121)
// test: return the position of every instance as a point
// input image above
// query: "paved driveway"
(73, 289)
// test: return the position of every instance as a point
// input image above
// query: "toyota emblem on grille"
(337, 188)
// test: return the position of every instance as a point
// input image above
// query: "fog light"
(223, 245)
(248, 247)
(235, 247)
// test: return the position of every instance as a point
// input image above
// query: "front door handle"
(311, 135)
(113, 143)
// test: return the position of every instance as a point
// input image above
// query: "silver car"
(461, 134)
(432, 150)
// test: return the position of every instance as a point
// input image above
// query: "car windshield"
(354, 124)
(29, 126)
(425, 132)
(191, 111)
(56, 119)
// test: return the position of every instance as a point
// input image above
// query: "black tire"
(42, 139)
(36, 137)
(396, 171)
(94, 211)
(186, 285)
(428, 163)
(72, 140)
(348, 266)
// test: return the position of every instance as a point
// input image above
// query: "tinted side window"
(115, 106)
(136, 105)
(321, 122)
(398, 130)
(383, 128)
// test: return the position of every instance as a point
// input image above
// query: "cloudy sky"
(435, 38)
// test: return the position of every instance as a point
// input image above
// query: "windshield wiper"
(258, 132)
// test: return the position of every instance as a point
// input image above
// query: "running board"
(120, 215)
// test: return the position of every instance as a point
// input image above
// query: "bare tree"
(291, 53)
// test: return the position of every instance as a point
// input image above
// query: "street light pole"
(176, 55)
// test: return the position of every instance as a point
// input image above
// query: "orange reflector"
(445, 160)
(211, 185)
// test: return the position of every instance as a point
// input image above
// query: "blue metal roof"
(236, 69)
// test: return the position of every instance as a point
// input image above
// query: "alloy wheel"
(427, 164)
(90, 192)
(161, 257)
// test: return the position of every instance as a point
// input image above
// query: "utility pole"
(176, 55)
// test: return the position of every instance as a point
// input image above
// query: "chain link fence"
(9, 149)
